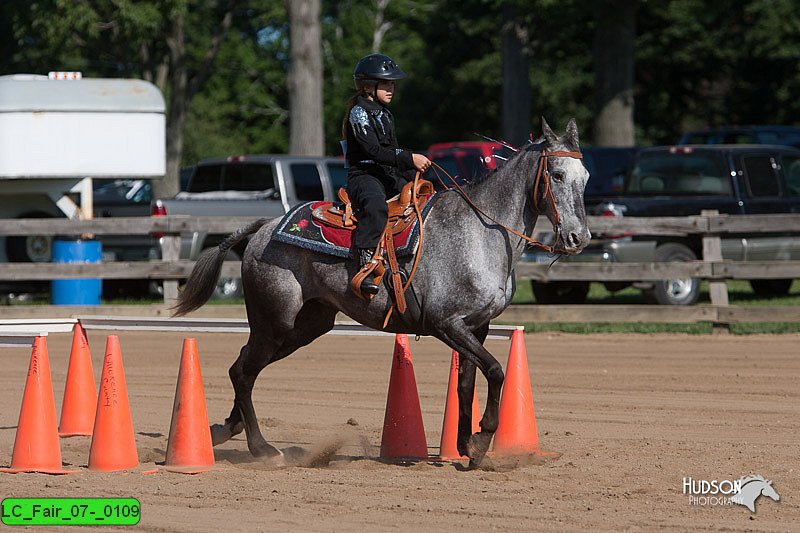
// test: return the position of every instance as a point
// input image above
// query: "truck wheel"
(771, 287)
(229, 288)
(560, 292)
(682, 291)
(30, 248)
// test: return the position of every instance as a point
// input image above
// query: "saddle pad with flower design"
(300, 229)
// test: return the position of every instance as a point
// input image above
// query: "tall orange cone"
(516, 433)
(113, 443)
(403, 431)
(189, 448)
(80, 393)
(447, 448)
(36, 446)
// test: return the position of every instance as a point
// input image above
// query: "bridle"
(542, 176)
(542, 180)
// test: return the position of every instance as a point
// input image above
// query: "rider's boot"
(368, 286)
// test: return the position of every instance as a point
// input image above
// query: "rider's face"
(384, 92)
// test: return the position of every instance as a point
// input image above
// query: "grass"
(739, 293)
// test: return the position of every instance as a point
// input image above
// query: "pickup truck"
(248, 185)
(682, 181)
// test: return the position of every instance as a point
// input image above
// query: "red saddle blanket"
(300, 229)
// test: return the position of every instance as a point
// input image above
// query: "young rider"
(376, 163)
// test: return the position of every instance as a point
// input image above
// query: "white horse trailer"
(57, 135)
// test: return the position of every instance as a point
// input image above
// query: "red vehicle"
(468, 159)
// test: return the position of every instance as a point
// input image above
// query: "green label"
(71, 511)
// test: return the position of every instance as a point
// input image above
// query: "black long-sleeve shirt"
(372, 144)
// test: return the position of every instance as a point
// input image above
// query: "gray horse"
(465, 278)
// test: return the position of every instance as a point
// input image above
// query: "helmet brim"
(397, 74)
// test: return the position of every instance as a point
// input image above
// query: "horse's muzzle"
(573, 241)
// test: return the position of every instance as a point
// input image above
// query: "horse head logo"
(752, 488)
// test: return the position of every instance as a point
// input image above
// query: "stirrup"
(367, 287)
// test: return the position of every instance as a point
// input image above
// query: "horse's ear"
(551, 137)
(572, 134)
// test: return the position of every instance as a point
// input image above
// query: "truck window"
(761, 177)
(338, 175)
(248, 177)
(473, 165)
(307, 184)
(791, 170)
(206, 178)
(679, 174)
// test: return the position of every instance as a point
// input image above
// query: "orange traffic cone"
(113, 443)
(516, 431)
(36, 446)
(80, 393)
(447, 448)
(189, 448)
(403, 431)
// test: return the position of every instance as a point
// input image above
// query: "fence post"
(170, 251)
(717, 289)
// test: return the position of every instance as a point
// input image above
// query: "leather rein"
(543, 180)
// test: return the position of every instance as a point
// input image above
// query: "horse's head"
(769, 491)
(558, 189)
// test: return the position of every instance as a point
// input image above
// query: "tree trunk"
(305, 79)
(614, 39)
(516, 122)
(181, 91)
(176, 112)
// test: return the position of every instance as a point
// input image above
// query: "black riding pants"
(368, 194)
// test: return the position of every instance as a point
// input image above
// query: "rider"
(376, 163)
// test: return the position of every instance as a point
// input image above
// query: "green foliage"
(697, 62)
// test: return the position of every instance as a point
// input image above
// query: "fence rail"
(709, 225)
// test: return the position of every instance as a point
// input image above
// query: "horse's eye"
(557, 175)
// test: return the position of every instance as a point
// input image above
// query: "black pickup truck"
(682, 181)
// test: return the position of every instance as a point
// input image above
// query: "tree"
(516, 78)
(614, 37)
(305, 79)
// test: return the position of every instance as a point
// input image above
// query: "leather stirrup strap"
(397, 282)
(415, 192)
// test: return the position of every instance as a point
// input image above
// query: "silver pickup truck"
(249, 185)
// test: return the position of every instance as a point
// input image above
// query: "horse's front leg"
(458, 336)
(466, 392)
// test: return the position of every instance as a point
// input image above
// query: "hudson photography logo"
(744, 491)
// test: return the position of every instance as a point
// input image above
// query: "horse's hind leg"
(458, 336)
(312, 321)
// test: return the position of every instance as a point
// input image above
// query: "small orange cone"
(403, 431)
(516, 432)
(80, 394)
(189, 448)
(113, 443)
(447, 448)
(36, 446)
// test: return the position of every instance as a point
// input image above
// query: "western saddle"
(404, 209)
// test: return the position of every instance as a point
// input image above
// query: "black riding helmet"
(377, 67)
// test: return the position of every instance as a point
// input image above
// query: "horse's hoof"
(264, 450)
(219, 434)
(478, 446)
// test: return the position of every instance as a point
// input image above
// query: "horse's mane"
(748, 479)
(536, 145)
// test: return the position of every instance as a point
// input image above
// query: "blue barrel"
(76, 291)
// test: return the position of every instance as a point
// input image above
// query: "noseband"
(543, 179)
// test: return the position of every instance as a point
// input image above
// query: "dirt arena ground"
(632, 415)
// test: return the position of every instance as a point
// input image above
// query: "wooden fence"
(712, 267)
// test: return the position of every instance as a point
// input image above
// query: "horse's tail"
(203, 279)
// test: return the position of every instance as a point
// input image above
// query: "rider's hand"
(421, 163)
